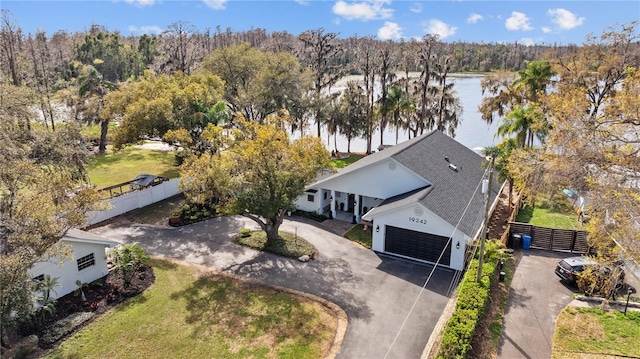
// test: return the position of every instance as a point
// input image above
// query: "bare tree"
(11, 36)
(180, 48)
(319, 52)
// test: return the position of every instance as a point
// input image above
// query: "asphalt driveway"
(389, 314)
(536, 298)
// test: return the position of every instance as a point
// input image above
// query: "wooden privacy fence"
(561, 240)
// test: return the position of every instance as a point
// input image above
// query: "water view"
(473, 132)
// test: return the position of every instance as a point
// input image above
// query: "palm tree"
(91, 83)
(526, 123)
(501, 154)
(535, 78)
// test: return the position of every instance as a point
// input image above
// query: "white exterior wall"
(302, 203)
(68, 272)
(136, 199)
(382, 180)
(370, 203)
(434, 225)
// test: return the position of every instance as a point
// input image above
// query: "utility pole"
(485, 227)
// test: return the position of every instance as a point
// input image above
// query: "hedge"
(472, 301)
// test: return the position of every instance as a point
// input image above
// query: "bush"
(245, 232)
(64, 327)
(472, 301)
(194, 212)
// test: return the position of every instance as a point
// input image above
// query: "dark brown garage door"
(419, 245)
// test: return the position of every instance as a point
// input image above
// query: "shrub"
(245, 232)
(472, 301)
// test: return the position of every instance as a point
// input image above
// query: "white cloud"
(565, 19)
(390, 31)
(416, 7)
(527, 41)
(546, 29)
(147, 29)
(437, 27)
(140, 3)
(474, 18)
(215, 4)
(364, 10)
(518, 21)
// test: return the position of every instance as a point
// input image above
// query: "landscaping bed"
(72, 310)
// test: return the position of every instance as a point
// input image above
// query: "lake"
(472, 132)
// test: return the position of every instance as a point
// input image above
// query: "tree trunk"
(272, 229)
(104, 127)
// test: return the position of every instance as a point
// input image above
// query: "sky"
(526, 22)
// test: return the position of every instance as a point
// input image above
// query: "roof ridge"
(415, 140)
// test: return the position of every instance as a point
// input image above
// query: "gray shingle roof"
(452, 190)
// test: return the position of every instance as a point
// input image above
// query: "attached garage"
(418, 245)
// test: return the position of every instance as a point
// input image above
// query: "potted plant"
(175, 217)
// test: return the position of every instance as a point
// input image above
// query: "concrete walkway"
(377, 293)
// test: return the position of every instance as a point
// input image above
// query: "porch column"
(333, 203)
(356, 207)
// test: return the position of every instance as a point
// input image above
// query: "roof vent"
(453, 167)
(446, 158)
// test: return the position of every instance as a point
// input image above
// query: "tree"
(387, 76)
(320, 49)
(156, 104)
(352, 109)
(11, 36)
(41, 175)
(525, 123)
(502, 155)
(367, 63)
(259, 83)
(127, 258)
(259, 174)
(593, 145)
(92, 89)
(179, 47)
(107, 53)
(448, 110)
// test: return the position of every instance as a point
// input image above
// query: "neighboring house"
(87, 264)
(422, 198)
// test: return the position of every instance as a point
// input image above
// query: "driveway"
(536, 298)
(390, 316)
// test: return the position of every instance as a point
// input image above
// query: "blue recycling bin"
(526, 241)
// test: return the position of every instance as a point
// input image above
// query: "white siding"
(382, 180)
(434, 225)
(68, 272)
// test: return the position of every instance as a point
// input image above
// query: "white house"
(423, 198)
(87, 264)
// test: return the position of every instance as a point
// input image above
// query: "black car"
(568, 269)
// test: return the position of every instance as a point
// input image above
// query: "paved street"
(377, 292)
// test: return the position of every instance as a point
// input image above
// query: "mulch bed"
(101, 296)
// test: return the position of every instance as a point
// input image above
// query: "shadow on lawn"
(240, 308)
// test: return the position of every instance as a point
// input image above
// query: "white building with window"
(88, 262)
(422, 198)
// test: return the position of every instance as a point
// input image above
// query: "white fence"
(134, 200)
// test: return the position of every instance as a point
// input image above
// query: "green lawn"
(126, 164)
(188, 313)
(559, 215)
(344, 162)
(593, 333)
(358, 235)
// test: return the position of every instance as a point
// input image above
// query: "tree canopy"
(259, 174)
(156, 104)
(41, 196)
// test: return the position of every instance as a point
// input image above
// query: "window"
(86, 262)
(310, 197)
(39, 278)
(325, 195)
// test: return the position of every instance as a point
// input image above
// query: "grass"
(189, 313)
(124, 165)
(358, 235)
(157, 213)
(344, 162)
(288, 245)
(558, 214)
(594, 333)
